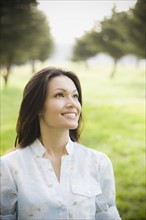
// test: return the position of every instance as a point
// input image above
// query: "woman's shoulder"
(14, 155)
(13, 152)
(96, 160)
(92, 153)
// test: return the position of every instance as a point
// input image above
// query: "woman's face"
(61, 108)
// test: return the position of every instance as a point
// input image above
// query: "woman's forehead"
(61, 83)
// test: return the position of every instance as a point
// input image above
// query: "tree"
(39, 45)
(108, 39)
(111, 38)
(12, 16)
(82, 48)
(24, 34)
(136, 29)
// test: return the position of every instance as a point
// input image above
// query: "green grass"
(114, 112)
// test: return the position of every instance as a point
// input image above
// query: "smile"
(70, 115)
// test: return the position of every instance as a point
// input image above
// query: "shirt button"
(50, 169)
(70, 215)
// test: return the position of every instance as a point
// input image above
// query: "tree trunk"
(32, 66)
(6, 75)
(114, 69)
(137, 62)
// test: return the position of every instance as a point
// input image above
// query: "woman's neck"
(55, 141)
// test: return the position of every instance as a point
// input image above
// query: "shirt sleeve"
(105, 202)
(8, 193)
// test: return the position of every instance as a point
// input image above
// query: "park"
(113, 97)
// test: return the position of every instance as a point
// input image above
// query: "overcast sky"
(70, 19)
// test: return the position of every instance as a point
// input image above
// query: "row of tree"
(122, 34)
(25, 35)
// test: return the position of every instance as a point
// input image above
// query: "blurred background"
(104, 43)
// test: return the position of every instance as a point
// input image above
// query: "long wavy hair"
(34, 96)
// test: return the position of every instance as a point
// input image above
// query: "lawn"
(113, 112)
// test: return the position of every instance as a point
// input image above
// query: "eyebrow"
(65, 90)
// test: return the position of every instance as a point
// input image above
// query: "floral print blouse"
(30, 189)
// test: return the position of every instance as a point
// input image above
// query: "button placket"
(65, 172)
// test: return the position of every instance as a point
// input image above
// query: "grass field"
(114, 112)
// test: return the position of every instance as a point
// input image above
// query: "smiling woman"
(50, 175)
(62, 108)
(46, 96)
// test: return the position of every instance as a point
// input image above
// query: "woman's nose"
(70, 102)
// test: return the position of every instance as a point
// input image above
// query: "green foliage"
(25, 34)
(113, 123)
(39, 43)
(15, 16)
(121, 34)
(108, 39)
(83, 48)
(137, 29)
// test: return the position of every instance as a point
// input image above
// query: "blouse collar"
(39, 149)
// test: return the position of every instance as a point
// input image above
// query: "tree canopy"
(108, 39)
(25, 34)
(121, 34)
(137, 29)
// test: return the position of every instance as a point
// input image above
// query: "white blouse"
(30, 189)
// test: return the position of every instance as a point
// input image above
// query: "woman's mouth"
(70, 115)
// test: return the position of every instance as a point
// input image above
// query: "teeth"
(70, 115)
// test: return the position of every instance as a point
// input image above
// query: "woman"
(50, 175)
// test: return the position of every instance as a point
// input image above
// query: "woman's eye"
(59, 95)
(76, 96)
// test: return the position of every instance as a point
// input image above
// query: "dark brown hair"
(34, 96)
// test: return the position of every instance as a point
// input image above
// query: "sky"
(70, 19)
